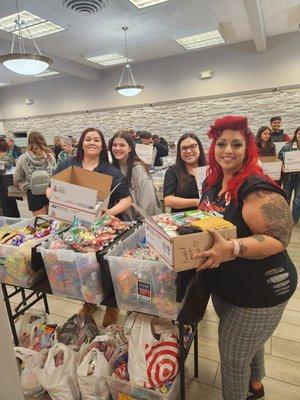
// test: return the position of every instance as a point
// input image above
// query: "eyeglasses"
(191, 147)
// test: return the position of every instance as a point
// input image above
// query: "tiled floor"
(282, 350)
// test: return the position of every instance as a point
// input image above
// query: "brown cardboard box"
(75, 192)
(177, 252)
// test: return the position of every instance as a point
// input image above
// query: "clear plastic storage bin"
(71, 274)
(8, 221)
(140, 285)
(16, 261)
(125, 390)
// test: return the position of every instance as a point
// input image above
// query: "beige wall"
(237, 68)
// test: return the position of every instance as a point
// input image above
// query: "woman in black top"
(251, 277)
(92, 155)
(263, 141)
(180, 185)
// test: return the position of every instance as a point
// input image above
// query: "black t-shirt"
(243, 282)
(103, 167)
(173, 188)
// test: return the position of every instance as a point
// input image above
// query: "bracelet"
(236, 248)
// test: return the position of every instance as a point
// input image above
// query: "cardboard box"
(271, 166)
(146, 153)
(177, 252)
(292, 161)
(75, 192)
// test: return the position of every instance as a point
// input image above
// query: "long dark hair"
(80, 152)
(132, 156)
(259, 139)
(180, 164)
(295, 135)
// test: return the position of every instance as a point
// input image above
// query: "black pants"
(10, 207)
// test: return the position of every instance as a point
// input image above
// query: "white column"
(10, 385)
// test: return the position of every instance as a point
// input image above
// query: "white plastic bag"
(152, 361)
(26, 324)
(92, 374)
(60, 381)
(30, 360)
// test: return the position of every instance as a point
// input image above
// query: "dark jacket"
(15, 152)
(162, 151)
(290, 146)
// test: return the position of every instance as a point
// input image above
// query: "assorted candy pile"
(16, 250)
(194, 221)
(85, 239)
(17, 236)
(142, 252)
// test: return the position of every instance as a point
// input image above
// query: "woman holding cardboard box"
(92, 155)
(252, 277)
(291, 180)
(263, 141)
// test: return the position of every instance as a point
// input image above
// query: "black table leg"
(10, 314)
(181, 360)
(196, 351)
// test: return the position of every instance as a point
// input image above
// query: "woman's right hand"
(48, 193)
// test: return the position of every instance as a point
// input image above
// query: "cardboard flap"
(88, 179)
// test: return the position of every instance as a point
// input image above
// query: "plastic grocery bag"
(26, 324)
(30, 360)
(58, 376)
(92, 374)
(152, 360)
(77, 330)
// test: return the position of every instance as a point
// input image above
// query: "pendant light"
(127, 86)
(21, 62)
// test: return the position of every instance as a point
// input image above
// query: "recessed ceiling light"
(38, 26)
(205, 39)
(48, 74)
(3, 84)
(146, 3)
(109, 59)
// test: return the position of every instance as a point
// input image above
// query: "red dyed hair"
(250, 166)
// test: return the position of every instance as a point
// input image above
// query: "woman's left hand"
(221, 251)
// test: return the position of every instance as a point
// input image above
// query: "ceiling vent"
(84, 6)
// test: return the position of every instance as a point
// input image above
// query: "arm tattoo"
(243, 248)
(259, 238)
(277, 218)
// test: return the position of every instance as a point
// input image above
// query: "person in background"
(277, 134)
(291, 180)
(8, 204)
(13, 149)
(4, 156)
(180, 183)
(74, 141)
(137, 175)
(92, 155)
(57, 146)
(172, 149)
(263, 141)
(68, 149)
(251, 277)
(162, 149)
(38, 157)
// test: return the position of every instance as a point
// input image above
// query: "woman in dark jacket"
(291, 180)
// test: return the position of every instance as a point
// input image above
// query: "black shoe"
(256, 395)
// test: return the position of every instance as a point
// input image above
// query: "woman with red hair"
(252, 277)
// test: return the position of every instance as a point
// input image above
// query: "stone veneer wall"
(170, 119)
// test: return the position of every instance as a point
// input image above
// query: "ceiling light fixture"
(146, 3)
(205, 39)
(109, 59)
(129, 88)
(21, 62)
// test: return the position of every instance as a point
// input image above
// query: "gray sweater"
(143, 193)
(28, 163)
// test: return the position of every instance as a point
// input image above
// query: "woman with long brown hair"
(38, 157)
(137, 175)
